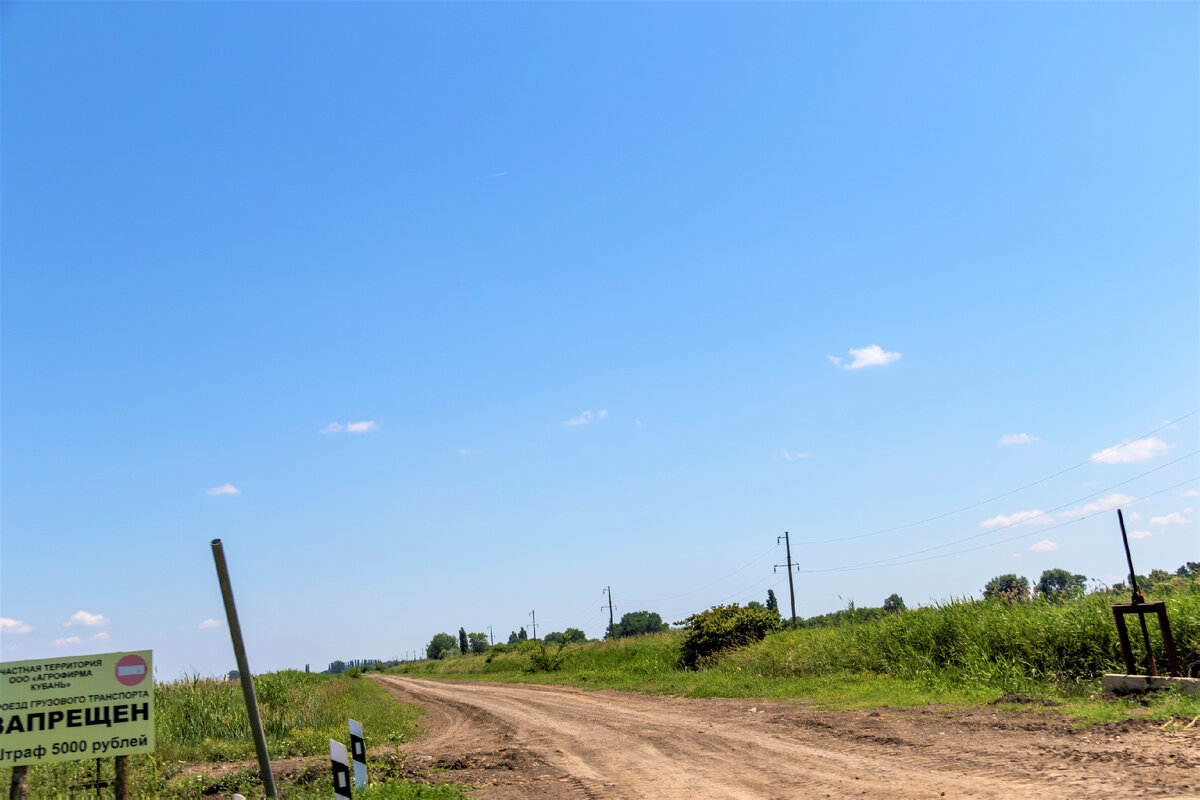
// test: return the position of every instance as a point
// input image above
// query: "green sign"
(66, 709)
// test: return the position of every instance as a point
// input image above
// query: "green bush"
(547, 657)
(723, 628)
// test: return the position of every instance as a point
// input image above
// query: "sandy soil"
(519, 741)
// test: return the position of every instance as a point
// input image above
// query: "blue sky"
(795, 267)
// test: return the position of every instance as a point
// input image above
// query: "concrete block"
(1129, 684)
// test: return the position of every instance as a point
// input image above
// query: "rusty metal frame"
(1142, 609)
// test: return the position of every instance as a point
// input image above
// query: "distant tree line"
(361, 664)
(1054, 584)
(1059, 584)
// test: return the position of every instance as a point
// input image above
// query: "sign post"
(358, 752)
(244, 674)
(76, 708)
(341, 769)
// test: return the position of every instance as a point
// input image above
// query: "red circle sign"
(132, 669)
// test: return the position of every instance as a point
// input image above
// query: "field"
(202, 733)
(959, 652)
(956, 655)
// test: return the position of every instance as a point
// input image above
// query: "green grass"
(201, 720)
(955, 653)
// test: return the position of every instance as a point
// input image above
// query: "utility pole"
(491, 636)
(791, 587)
(534, 626)
(612, 628)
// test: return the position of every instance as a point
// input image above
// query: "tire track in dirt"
(522, 741)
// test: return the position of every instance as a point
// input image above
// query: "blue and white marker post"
(341, 769)
(358, 751)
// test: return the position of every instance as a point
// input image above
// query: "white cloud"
(1174, 518)
(210, 623)
(99, 637)
(1139, 534)
(1044, 546)
(1103, 504)
(462, 451)
(1017, 438)
(1191, 493)
(1130, 452)
(9, 625)
(786, 456)
(224, 489)
(88, 620)
(871, 356)
(1034, 517)
(365, 426)
(66, 641)
(588, 417)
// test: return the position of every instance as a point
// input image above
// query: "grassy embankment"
(200, 721)
(958, 652)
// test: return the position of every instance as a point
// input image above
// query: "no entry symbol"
(131, 669)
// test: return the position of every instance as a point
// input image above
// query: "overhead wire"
(991, 499)
(569, 617)
(894, 562)
(1039, 515)
(906, 558)
(777, 578)
(753, 561)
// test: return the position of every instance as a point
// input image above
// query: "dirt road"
(519, 741)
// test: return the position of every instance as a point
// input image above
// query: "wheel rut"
(525, 741)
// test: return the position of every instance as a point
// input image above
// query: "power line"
(1039, 515)
(1042, 514)
(991, 499)
(753, 561)
(569, 617)
(893, 562)
(743, 592)
(885, 562)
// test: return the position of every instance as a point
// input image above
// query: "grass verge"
(202, 721)
(962, 652)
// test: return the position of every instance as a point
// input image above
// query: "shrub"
(723, 628)
(545, 659)
(1008, 586)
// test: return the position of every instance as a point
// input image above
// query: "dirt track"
(519, 741)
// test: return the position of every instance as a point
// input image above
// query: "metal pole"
(239, 652)
(1137, 596)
